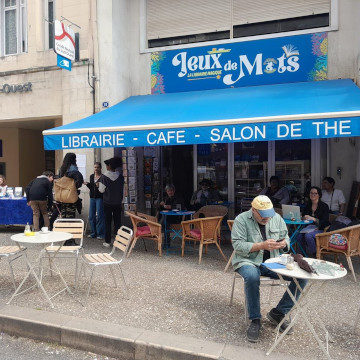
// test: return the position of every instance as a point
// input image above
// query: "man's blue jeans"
(251, 275)
(97, 218)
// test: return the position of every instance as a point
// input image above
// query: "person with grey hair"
(172, 200)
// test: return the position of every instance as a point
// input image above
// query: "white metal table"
(304, 299)
(44, 240)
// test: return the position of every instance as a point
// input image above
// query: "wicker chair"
(203, 230)
(352, 235)
(211, 210)
(145, 227)
(230, 224)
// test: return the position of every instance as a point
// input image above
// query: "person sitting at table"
(257, 235)
(40, 197)
(172, 200)
(278, 195)
(3, 185)
(205, 195)
(318, 212)
(334, 198)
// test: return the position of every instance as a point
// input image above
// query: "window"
(171, 22)
(49, 24)
(13, 34)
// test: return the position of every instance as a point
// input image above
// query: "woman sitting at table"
(3, 185)
(318, 212)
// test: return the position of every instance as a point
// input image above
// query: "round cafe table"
(302, 304)
(43, 240)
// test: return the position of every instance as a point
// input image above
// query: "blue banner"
(277, 130)
(259, 62)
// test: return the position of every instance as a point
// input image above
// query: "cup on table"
(178, 207)
(44, 229)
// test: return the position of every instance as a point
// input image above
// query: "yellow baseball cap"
(264, 206)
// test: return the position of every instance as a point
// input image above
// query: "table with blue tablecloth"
(15, 212)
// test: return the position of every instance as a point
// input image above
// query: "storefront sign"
(64, 40)
(7, 88)
(63, 63)
(287, 130)
(269, 61)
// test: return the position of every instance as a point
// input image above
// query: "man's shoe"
(275, 318)
(253, 331)
(106, 244)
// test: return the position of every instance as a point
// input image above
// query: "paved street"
(25, 349)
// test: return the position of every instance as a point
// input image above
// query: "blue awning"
(307, 110)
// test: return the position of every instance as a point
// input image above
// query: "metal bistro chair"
(11, 253)
(264, 281)
(122, 242)
(76, 228)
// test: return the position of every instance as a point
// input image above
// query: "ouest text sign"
(275, 130)
(11, 88)
(258, 62)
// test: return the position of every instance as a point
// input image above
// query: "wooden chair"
(352, 235)
(230, 224)
(145, 227)
(11, 253)
(74, 227)
(122, 243)
(202, 230)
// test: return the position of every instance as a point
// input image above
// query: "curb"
(118, 341)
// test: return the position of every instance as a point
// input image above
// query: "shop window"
(292, 165)
(2, 168)
(212, 164)
(13, 35)
(250, 172)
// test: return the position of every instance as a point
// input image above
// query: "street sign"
(63, 62)
(64, 40)
(105, 104)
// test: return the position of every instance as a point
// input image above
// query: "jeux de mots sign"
(258, 62)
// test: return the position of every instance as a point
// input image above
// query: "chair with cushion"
(145, 227)
(122, 243)
(11, 253)
(74, 227)
(352, 248)
(202, 230)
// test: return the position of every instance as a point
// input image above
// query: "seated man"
(334, 198)
(278, 195)
(257, 235)
(205, 195)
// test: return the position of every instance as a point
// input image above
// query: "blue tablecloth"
(15, 212)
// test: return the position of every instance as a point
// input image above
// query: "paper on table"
(274, 265)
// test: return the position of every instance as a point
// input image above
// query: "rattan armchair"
(202, 230)
(230, 224)
(352, 235)
(146, 227)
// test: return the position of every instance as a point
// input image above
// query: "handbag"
(65, 190)
(338, 241)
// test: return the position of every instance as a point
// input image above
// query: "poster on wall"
(258, 62)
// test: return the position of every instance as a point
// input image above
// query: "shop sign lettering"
(258, 62)
(7, 88)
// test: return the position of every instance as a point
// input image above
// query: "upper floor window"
(13, 34)
(49, 24)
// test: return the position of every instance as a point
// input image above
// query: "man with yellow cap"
(257, 235)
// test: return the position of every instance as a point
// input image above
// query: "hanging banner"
(259, 62)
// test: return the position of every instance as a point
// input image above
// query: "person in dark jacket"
(70, 169)
(318, 212)
(39, 196)
(96, 211)
(111, 185)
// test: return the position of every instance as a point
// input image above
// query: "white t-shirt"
(333, 199)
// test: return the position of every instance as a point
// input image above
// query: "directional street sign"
(63, 62)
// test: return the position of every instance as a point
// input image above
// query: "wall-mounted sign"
(11, 88)
(105, 104)
(259, 62)
(64, 40)
(64, 63)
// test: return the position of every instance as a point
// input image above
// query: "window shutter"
(250, 12)
(172, 18)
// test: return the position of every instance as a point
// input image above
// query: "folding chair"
(264, 281)
(76, 228)
(122, 243)
(11, 253)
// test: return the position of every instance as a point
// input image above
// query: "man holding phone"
(257, 235)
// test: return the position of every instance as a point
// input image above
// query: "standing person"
(317, 211)
(334, 198)
(111, 185)
(257, 235)
(3, 185)
(277, 194)
(96, 211)
(70, 170)
(39, 196)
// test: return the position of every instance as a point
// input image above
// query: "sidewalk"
(178, 297)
